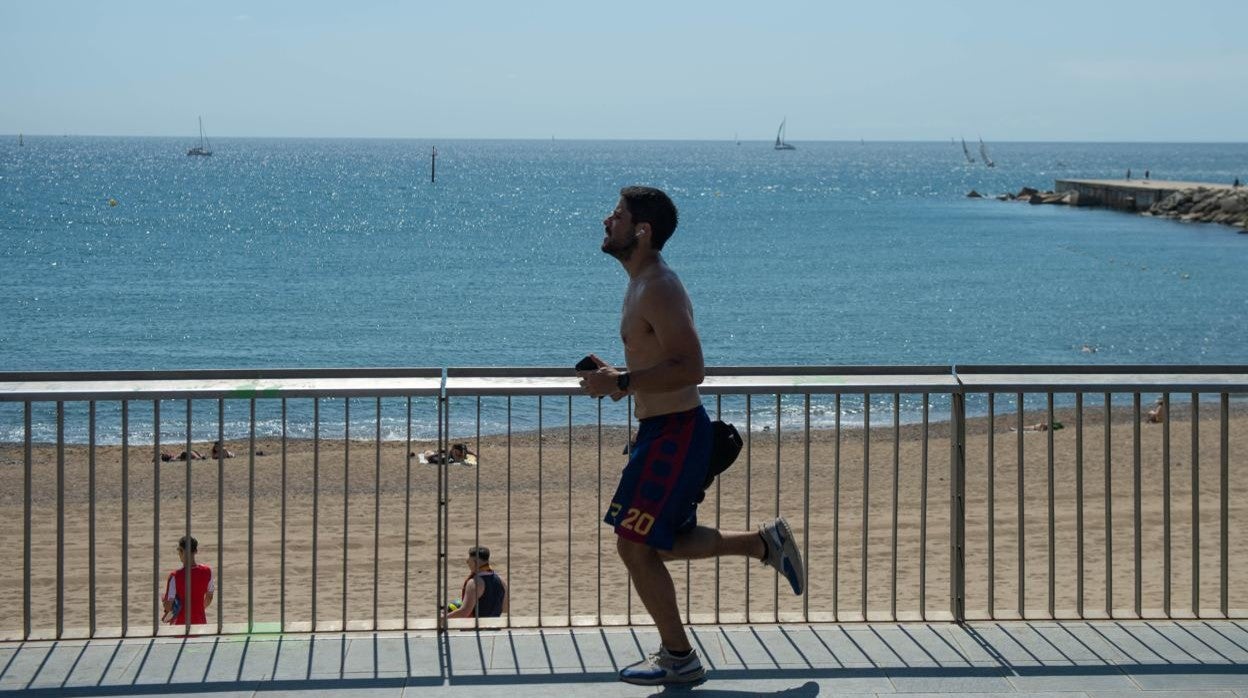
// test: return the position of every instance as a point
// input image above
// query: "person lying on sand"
(460, 453)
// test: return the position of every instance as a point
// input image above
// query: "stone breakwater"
(1227, 206)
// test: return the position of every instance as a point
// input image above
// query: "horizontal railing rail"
(918, 492)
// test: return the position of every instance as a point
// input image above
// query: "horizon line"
(619, 139)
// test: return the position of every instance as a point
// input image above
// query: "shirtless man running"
(654, 511)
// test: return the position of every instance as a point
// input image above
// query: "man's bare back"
(657, 296)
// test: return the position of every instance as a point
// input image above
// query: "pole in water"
(433, 165)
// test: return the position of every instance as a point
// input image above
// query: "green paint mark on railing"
(251, 390)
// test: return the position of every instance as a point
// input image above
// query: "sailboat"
(19, 140)
(983, 153)
(202, 148)
(966, 151)
(780, 144)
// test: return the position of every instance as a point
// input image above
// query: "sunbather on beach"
(459, 453)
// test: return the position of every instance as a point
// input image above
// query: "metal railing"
(331, 517)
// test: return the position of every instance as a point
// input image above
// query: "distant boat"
(202, 148)
(967, 152)
(983, 153)
(19, 140)
(780, 143)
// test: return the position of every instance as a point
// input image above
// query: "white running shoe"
(782, 553)
(664, 668)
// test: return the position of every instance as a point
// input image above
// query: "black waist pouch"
(725, 447)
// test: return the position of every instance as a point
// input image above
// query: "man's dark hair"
(194, 544)
(650, 205)
(480, 553)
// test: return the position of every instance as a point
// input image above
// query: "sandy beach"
(538, 506)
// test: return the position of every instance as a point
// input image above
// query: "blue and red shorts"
(655, 499)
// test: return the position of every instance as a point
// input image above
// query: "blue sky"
(1089, 71)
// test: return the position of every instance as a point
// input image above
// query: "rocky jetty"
(1226, 206)
(1199, 205)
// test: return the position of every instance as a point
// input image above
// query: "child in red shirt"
(203, 586)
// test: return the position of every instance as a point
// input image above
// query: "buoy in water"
(112, 202)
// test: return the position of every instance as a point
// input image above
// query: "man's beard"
(621, 252)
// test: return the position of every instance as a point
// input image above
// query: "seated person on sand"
(460, 453)
(484, 593)
(217, 450)
(1157, 414)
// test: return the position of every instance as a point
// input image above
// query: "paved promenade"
(1125, 658)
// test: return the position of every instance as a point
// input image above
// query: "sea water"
(124, 253)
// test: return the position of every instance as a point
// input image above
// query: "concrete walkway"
(1125, 658)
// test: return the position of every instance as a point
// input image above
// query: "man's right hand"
(600, 382)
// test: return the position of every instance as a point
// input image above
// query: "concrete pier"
(1125, 194)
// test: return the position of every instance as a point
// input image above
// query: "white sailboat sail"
(780, 142)
(967, 152)
(203, 148)
(983, 153)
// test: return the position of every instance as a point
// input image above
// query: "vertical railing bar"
(923, 512)
(1196, 504)
(598, 528)
(281, 617)
(1224, 509)
(749, 481)
(1079, 504)
(220, 572)
(1109, 512)
(775, 589)
(628, 441)
(836, 508)
(508, 554)
(992, 506)
(806, 508)
(156, 515)
(1165, 505)
(440, 583)
(1137, 505)
(407, 513)
(446, 511)
(719, 414)
(60, 518)
(125, 517)
(26, 510)
(377, 512)
(251, 513)
(896, 491)
(187, 580)
(1052, 513)
(866, 496)
(91, 518)
(346, 500)
(957, 499)
(540, 437)
(569, 561)
(476, 616)
(1020, 505)
(316, 495)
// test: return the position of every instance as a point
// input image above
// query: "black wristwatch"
(622, 380)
